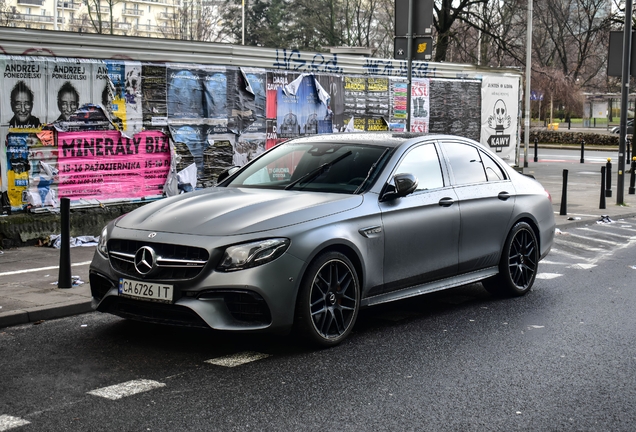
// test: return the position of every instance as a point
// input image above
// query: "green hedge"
(558, 137)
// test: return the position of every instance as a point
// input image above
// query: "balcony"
(166, 16)
(31, 2)
(172, 3)
(68, 5)
(132, 11)
(35, 18)
(122, 25)
(146, 28)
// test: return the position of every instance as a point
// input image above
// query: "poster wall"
(499, 122)
(82, 128)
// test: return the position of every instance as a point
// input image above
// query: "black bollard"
(582, 151)
(564, 194)
(536, 143)
(608, 178)
(602, 203)
(64, 275)
(632, 178)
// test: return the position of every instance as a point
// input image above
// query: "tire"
(328, 301)
(518, 264)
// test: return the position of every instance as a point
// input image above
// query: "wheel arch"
(345, 249)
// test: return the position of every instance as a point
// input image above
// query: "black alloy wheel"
(329, 300)
(518, 264)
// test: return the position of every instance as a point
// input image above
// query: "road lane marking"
(581, 266)
(237, 359)
(41, 269)
(548, 275)
(128, 388)
(609, 242)
(9, 422)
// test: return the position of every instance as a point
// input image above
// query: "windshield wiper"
(317, 171)
(375, 164)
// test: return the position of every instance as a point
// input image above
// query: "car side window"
(423, 163)
(465, 163)
(493, 170)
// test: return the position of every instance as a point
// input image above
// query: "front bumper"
(257, 299)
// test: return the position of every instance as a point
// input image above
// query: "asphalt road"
(562, 358)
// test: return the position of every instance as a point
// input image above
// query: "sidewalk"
(32, 296)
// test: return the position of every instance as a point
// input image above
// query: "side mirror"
(226, 174)
(405, 184)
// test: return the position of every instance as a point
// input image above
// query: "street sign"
(422, 17)
(422, 48)
(615, 57)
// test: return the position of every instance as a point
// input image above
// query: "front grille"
(154, 312)
(173, 261)
(245, 306)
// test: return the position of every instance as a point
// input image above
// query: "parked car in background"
(630, 128)
(318, 227)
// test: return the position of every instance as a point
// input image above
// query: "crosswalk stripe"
(128, 388)
(548, 275)
(9, 422)
(237, 359)
(609, 242)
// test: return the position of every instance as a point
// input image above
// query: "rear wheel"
(518, 264)
(329, 300)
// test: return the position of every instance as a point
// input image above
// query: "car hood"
(232, 211)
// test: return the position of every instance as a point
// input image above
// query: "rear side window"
(423, 163)
(465, 163)
(493, 170)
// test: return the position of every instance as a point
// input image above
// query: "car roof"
(386, 139)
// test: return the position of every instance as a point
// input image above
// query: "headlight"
(252, 254)
(103, 239)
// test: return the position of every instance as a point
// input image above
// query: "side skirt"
(429, 287)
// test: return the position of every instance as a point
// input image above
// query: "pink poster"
(104, 165)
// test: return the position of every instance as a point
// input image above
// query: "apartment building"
(146, 18)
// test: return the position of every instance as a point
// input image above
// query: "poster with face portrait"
(69, 86)
(499, 122)
(23, 93)
(186, 97)
(215, 90)
(108, 91)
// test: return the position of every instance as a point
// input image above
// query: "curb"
(30, 315)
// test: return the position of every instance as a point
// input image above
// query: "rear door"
(486, 201)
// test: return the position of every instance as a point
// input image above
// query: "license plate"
(145, 290)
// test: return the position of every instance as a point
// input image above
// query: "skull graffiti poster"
(499, 122)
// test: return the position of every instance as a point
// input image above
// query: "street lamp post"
(243, 23)
(526, 135)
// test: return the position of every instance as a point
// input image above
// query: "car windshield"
(321, 167)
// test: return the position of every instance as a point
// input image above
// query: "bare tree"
(8, 14)
(100, 14)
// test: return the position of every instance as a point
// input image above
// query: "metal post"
(602, 203)
(64, 275)
(526, 135)
(536, 143)
(564, 194)
(627, 50)
(409, 60)
(608, 178)
(632, 178)
(628, 146)
(582, 151)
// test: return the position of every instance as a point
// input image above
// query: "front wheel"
(518, 264)
(329, 300)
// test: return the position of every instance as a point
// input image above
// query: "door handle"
(446, 202)
(503, 196)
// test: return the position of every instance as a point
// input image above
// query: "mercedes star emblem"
(145, 260)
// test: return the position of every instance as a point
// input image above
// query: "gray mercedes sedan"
(316, 228)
